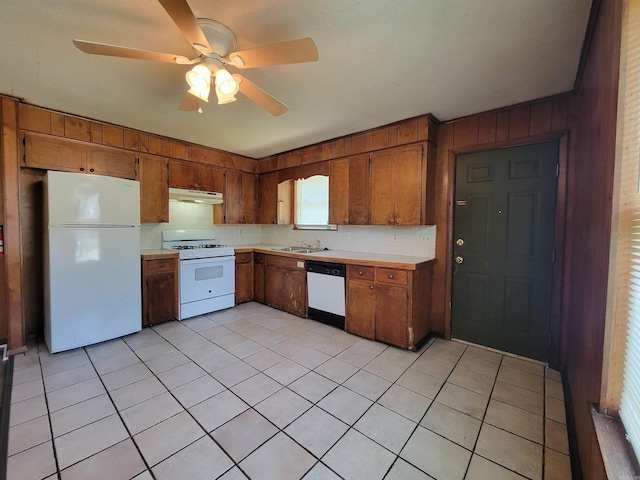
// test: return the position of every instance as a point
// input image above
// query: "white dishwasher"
(326, 292)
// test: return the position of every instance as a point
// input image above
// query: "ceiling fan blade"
(260, 97)
(96, 48)
(189, 103)
(183, 17)
(294, 51)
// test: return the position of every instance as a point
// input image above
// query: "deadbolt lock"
(459, 242)
(459, 259)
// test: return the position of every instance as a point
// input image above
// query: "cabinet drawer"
(358, 272)
(244, 258)
(391, 275)
(285, 262)
(161, 265)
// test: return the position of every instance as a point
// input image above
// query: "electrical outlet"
(240, 231)
(425, 238)
(348, 236)
(395, 237)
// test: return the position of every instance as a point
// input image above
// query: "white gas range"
(207, 271)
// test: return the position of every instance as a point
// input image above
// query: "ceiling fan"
(213, 44)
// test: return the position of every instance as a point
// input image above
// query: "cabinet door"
(295, 292)
(112, 162)
(183, 175)
(233, 197)
(161, 306)
(244, 282)
(382, 188)
(154, 189)
(359, 190)
(268, 198)
(248, 198)
(339, 192)
(273, 286)
(409, 190)
(52, 153)
(258, 278)
(360, 319)
(211, 179)
(391, 315)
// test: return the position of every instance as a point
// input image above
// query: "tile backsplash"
(415, 241)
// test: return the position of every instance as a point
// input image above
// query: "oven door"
(203, 278)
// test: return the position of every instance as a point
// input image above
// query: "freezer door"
(77, 198)
(92, 285)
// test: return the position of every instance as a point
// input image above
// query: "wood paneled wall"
(592, 120)
(42, 120)
(412, 130)
(12, 271)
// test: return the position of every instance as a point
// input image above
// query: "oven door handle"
(209, 260)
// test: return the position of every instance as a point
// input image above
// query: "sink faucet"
(305, 244)
(318, 244)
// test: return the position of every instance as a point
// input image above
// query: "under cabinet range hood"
(195, 196)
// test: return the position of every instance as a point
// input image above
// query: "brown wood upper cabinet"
(240, 197)
(154, 189)
(54, 153)
(195, 176)
(399, 186)
(268, 198)
(349, 191)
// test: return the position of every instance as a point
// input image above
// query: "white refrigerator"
(91, 259)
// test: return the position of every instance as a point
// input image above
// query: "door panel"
(504, 222)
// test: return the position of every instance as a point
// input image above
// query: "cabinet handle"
(370, 287)
(397, 222)
(391, 221)
(162, 265)
(82, 169)
(390, 276)
(92, 170)
(360, 272)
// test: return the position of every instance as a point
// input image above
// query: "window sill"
(616, 452)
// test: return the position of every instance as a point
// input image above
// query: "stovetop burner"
(193, 244)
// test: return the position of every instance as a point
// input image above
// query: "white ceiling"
(380, 61)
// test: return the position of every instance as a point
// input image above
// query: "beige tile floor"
(256, 393)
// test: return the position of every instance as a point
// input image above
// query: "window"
(312, 202)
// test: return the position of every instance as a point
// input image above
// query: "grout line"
(318, 459)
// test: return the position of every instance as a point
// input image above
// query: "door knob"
(459, 242)
(459, 259)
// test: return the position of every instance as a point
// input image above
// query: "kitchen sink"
(299, 249)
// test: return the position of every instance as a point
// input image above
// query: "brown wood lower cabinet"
(389, 305)
(244, 277)
(286, 284)
(159, 289)
(258, 277)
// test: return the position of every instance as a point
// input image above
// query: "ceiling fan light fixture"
(199, 77)
(202, 94)
(226, 85)
(224, 99)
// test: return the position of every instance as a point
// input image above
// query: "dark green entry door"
(504, 219)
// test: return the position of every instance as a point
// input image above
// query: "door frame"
(559, 235)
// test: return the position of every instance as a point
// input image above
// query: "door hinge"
(557, 170)
(550, 342)
(553, 256)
